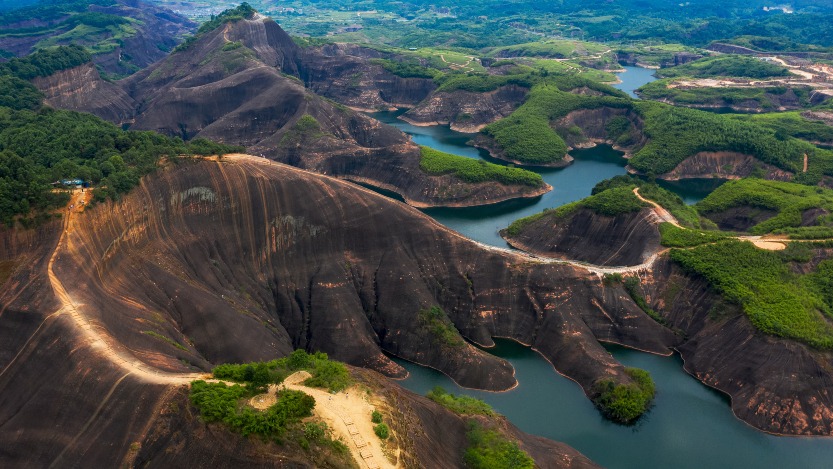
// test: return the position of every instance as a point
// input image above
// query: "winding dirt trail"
(90, 333)
(767, 242)
(347, 414)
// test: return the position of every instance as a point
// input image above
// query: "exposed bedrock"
(776, 385)
(594, 128)
(345, 73)
(466, 111)
(246, 93)
(247, 259)
(621, 240)
(724, 165)
(82, 89)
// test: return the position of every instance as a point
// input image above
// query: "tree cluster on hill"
(777, 300)
(40, 147)
(46, 62)
(240, 12)
(17, 92)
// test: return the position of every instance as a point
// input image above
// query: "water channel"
(690, 425)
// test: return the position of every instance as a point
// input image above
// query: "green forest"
(40, 147)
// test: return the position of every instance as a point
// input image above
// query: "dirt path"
(99, 340)
(347, 413)
(661, 211)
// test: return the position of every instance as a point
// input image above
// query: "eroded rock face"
(157, 30)
(724, 165)
(346, 73)
(82, 89)
(621, 240)
(466, 111)
(593, 124)
(776, 385)
(246, 259)
(297, 261)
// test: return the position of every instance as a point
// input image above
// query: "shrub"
(488, 449)
(624, 403)
(376, 417)
(464, 405)
(441, 328)
(315, 431)
(382, 431)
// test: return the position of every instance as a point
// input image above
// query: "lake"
(689, 426)
(633, 78)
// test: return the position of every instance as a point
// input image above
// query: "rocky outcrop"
(321, 273)
(583, 235)
(245, 259)
(594, 128)
(466, 111)
(345, 73)
(776, 385)
(724, 165)
(155, 31)
(238, 84)
(82, 89)
(426, 435)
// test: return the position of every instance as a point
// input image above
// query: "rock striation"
(622, 240)
(466, 111)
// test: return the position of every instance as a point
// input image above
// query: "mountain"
(123, 35)
(243, 259)
(238, 81)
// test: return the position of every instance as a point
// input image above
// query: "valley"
(264, 244)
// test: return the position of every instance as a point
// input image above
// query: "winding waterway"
(690, 425)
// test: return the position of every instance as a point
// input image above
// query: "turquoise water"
(571, 183)
(483, 223)
(689, 426)
(633, 78)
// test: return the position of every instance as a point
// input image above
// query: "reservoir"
(574, 182)
(633, 78)
(483, 223)
(690, 426)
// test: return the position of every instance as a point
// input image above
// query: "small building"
(72, 183)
